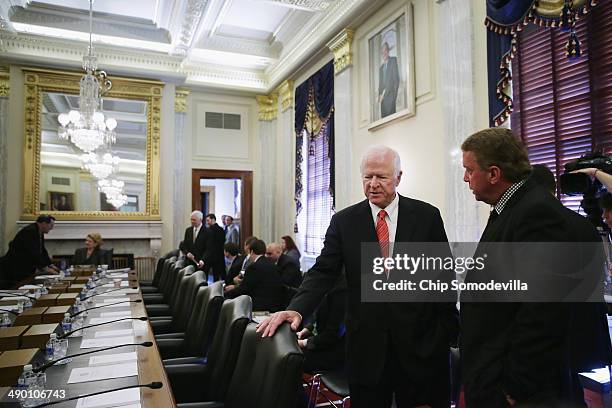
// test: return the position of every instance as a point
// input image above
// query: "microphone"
(105, 305)
(53, 362)
(156, 385)
(63, 336)
(108, 291)
(11, 294)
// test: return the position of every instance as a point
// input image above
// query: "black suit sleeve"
(184, 246)
(322, 277)
(246, 287)
(290, 274)
(334, 326)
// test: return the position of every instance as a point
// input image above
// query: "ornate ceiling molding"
(311, 5)
(191, 18)
(221, 77)
(307, 40)
(267, 107)
(342, 48)
(285, 90)
(4, 81)
(244, 46)
(180, 100)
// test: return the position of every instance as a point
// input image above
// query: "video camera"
(580, 183)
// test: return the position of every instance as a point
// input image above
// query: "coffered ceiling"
(237, 44)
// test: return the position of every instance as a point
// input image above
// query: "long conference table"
(149, 362)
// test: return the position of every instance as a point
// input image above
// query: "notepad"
(96, 373)
(113, 333)
(113, 300)
(117, 275)
(109, 305)
(106, 342)
(124, 399)
(28, 287)
(125, 313)
(108, 359)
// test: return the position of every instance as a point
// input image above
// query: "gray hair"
(198, 214)
(381, 150)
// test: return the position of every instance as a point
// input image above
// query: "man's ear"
(495, 174)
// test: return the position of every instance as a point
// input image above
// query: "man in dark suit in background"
(216, 241)
(393, 349)
(194, 244)
(388, 83)
(514, 353)
(288, 269)
(27, 254)
(261, 281)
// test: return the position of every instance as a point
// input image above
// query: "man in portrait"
(388, 82)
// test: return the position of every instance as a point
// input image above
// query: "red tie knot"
(382, 214)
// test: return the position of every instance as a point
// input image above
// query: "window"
(563, 108)
(319, 201)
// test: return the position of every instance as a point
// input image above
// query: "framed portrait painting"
(391, 68)
(59, 201)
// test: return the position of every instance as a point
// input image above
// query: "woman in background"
(290, 249)
(92, 254)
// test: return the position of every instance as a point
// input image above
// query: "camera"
(580, 183)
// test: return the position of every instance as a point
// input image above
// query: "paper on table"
(28, 287)
(43, 277)
(106, 342)
(9, 307)
(124, 398)
(118, 270)
(86, 374)
(110, 305)
(98, 320)
(117, 275)
(121, 292)
(112, 358)
(125, 313)
(14, 298)
(113, 300)
(124, 284)
(113, 333)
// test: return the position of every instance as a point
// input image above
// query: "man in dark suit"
(393, 349)
(388, 83)
(261, 281)
(27, 254)
(194, 244)
(514, 353)
(289, 271)
(215, 247)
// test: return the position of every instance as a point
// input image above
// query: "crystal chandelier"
(87, 128)
(100, 165)
(113, 189)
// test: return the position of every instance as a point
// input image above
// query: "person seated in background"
(92, 254)
(27, 255)
(289, 272)
(322, 340)
(290, 249)
(261, 281)
(239, 265)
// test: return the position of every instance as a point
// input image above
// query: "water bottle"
(31, 387)
(21, 382)
(27, 303)
(50, 347)
(20, 306)
(41, 382)
(5, 320)
(67, 323)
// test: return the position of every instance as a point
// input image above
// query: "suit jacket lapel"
(366, 231)
(405, 221)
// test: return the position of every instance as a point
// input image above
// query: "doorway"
(225, 192)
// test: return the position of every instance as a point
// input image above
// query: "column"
(457, 88)
(285, 216)
(267, 115)
(342, 48)
(4, 95)
(179, 218)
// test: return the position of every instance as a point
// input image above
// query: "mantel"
(108, 229)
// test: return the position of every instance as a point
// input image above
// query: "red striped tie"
(382, 232)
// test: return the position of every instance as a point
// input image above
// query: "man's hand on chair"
(268, 327)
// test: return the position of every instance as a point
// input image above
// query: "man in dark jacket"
(261, 281)
(27, 254)
(214, 249)
(289, 271)
(195, 243)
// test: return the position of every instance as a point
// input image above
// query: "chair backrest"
(173, 281)
(164, 279)
(107, 256)
(268, 372)
(204, 317)
(185, 299)
(180, 287)
(223, 354)
(158, 272)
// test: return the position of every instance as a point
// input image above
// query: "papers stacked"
(106, 342)
(105, 372)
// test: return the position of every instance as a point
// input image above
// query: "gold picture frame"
(37, 81)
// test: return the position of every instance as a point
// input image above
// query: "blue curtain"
(504, 19)
(319, 87)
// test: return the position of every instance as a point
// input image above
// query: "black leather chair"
(164, 281)
(199, 330)
(153, 285)
(169, 287)
(186, 286)
(268, 372)
(212, 376)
